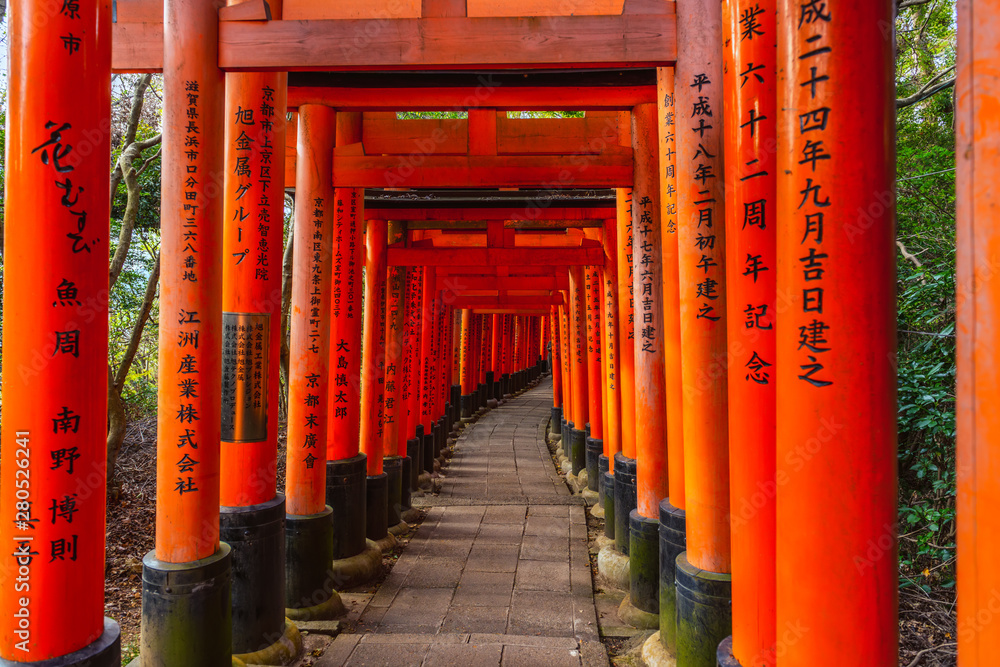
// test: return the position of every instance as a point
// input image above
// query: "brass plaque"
(245, 340)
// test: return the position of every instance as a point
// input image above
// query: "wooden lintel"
(613, 170)
(505, 301)
(584, 98)
(515, 257)
(632, 40)
(510, 311)
(513, 215)
(558, 281)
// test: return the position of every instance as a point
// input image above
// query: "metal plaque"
(245, 341)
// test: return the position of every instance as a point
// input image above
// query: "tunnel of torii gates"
(704, 263)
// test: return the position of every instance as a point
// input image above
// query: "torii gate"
(832, 340)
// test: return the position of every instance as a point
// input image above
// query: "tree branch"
(933, 86)
(137, 328)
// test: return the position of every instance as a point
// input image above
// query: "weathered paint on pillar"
(344, 408)
(557, 373)
(577, 303)
(412, 337)
(309, 377)
(55, 342)
(394, 415)
(751, 144)
(595, 362)
(253, 224)
(647, 287)
(701, 255)
(612, 352)
(187, 492)
(372, 386)
(835, 370)
(978, 422)
(666, 111)
(430, 309)
(466, 352)
(626, 321)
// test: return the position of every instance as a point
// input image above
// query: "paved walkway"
(498, 573)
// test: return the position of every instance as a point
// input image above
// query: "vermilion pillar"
(346, 468)
(308, 367)
(978, 423)
(650, 390)
(835, 374)
(55, 342)
(555, 424)
(253, 225)
(189, 399)
(626, 317)
(409, 438)
(672, 515)
(308, 526)
(395, 307)
(750, 137)
(612, 366)
(565, 355)
(595, 373)
(701, 216)
(495, 369)
(429, 364)
(375, 270)
(467, 369)
(578, 354)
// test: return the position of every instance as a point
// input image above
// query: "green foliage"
(925, 166)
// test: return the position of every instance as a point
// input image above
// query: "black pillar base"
(406, 497)
(625, 500)
(704, 613)
(673, 542)
(346, 482)
(609, 505)
(256, 535)
(450, 418)
(187, 611)
(415, 460)
(105, 651)
(724, 655)
(456, 393)
(603, 466)
(644, 562)
(377, 521)
(439, 438)
(577, 449)
(489, 385)
(505, 384)
(308, 554)
(467, 403)
(555, 425)
(595, 449)
(429, 450)
(497, 390)
(392, 468)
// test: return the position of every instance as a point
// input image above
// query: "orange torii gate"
(674, 283)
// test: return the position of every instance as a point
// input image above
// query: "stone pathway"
(498, 573)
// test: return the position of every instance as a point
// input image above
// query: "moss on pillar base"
(673, 541)
(644, 563)
(704, 613)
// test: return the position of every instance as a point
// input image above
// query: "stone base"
(324, 611)
(724, 656)
(597, 511)
(655, 654)
(411, 515)
(590, 497)
(399, 528)
(106, 651)
(637, 618)
(614, 567)
(387, 543)
(604, 541)
(282, 652)
(359, 569)
(704, 613)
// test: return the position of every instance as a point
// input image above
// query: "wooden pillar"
(671, 289)
(977, 420)
(626, 321)
(344, 409)
(701, 242)
(55, 342)
(750, 139)
(577, 303)
(557, 375)
(371, 386)
(612, 346)
(309, 378)
(835, 373)
(413, 338)
(429, 363)
(647, 286)
(595, 363)
(565, 355)
(395, 305)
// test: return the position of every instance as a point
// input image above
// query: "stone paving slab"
(498, 573)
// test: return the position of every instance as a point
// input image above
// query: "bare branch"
(903, 4)
(933, 86)
(149, 161)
